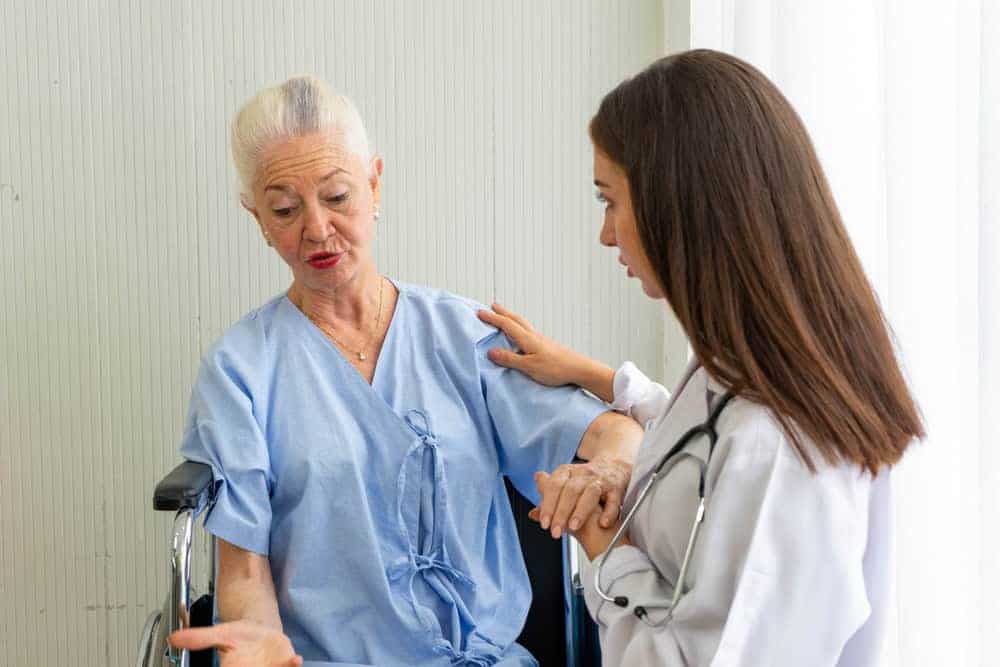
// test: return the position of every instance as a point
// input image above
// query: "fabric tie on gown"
(470, 658)
(431, 557)
(419, 562)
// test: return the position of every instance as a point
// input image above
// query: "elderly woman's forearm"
(245, 587)
(574, 491)
(612, 435)
(250, 600)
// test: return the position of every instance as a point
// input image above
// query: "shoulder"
(439, 310)
(753, 442)
(749, 432)
(246, 343)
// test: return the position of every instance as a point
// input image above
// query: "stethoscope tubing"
(662, 469)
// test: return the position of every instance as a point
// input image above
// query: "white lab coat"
(790, 567)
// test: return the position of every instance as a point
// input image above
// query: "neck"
(350, 305)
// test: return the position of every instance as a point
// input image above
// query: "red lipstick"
(324, 260)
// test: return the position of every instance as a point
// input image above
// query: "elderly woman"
(359, 434)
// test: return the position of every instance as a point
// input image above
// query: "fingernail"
(545, 523)
(557, 532)
(574, 524)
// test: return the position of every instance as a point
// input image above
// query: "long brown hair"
(737, 219)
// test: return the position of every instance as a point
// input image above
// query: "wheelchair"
(558, 630)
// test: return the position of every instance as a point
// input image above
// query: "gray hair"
(302, 105)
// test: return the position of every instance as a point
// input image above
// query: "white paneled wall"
(124, 253)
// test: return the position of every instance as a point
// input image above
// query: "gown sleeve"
(777, 572)
(535, 427)
(637, 396)
(223, 432)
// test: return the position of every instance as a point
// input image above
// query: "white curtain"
(902, 98)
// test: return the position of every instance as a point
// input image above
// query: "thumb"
(195, 639)
(508, 358)
(612, 509)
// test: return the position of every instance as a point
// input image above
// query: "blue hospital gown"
(382, 508)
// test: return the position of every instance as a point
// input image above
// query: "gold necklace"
(378, 321)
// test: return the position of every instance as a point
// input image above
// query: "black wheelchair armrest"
(184, 488)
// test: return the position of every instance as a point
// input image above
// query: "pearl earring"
(378, 213)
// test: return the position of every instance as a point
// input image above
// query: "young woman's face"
(619, 228)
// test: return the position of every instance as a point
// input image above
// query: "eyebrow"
(601, 184)
(333, 173)
(286, 188)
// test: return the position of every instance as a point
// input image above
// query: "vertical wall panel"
(124, 252)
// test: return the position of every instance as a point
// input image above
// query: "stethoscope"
(662, 469)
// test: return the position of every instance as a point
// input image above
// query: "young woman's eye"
(599, 196)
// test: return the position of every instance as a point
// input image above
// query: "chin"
(652, 291)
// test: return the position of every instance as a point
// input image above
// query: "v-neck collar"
(387, 342)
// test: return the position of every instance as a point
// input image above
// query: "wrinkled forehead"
(307, 157)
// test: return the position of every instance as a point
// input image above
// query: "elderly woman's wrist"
(615, 467)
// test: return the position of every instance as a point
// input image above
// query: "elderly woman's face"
(315, 202)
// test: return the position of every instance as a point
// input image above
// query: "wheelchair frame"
(189, 487)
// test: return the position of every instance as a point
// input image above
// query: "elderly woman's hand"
(240, 644)
(575, 491)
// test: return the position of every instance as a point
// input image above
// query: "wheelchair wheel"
(148, 641)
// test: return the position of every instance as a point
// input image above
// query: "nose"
(607, 236)
(317, 227)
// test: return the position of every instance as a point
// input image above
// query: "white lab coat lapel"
(668, 429)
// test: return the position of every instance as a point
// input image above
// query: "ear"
(245, 203)
(263, 232)
(375, 180)
(256, 216)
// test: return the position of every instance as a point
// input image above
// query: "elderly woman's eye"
(340, 198)
(283, 212)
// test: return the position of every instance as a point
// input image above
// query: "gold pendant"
(361, 356)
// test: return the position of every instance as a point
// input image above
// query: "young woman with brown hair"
(717, 203)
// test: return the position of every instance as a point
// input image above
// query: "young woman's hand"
(240, 644)
(595, 538)
(542, 359)
(592, 536)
